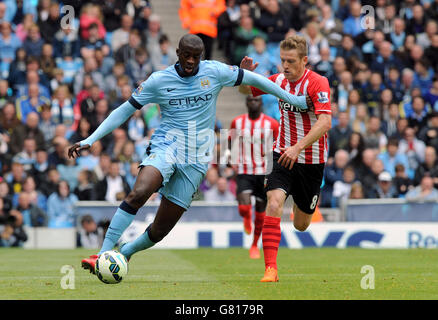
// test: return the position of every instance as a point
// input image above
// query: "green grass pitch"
(226, 274)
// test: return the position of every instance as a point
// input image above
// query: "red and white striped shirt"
(254, 137)
(296, 123)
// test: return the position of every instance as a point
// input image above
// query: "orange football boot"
(271, 275)
(254, 252)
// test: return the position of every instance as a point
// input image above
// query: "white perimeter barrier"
(48, 238)
(186, 235)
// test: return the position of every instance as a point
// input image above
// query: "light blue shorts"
(180, 181)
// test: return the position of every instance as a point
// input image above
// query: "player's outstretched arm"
(113, 121)
(266, 85)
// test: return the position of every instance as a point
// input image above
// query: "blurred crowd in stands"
(57, 84)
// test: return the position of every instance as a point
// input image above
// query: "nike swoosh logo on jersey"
(170, 89)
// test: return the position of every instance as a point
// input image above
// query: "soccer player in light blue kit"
(180, 149)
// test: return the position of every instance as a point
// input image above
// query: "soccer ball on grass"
(111, 267)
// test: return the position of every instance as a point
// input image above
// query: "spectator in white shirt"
(342, 188)
(90, 236)
(113, 187)
(414, 148)
(424, 192)
(121, 35)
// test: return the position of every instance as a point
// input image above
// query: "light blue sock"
(121, 220)
(143, 242)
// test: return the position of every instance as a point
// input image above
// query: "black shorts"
(303, 182)
(254, 184)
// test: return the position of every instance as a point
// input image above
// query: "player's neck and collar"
(254, 117)
(182, 74)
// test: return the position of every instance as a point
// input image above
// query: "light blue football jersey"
(188, 107)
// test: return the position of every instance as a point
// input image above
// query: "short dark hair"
(88, 174)
(46, 106)
(59, 184)
(140, 51)
(163, 38)
(95, 85)
(93, 26)
(32, 59)
(433, 114)
(424, 62)
(418, 97)
(393, 142)
(349, 168)
(29, 138)
(135, 31)
(87, 218)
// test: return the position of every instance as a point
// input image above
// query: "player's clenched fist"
(74, 150)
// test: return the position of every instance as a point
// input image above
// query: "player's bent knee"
(301, 226)
(302, 220)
